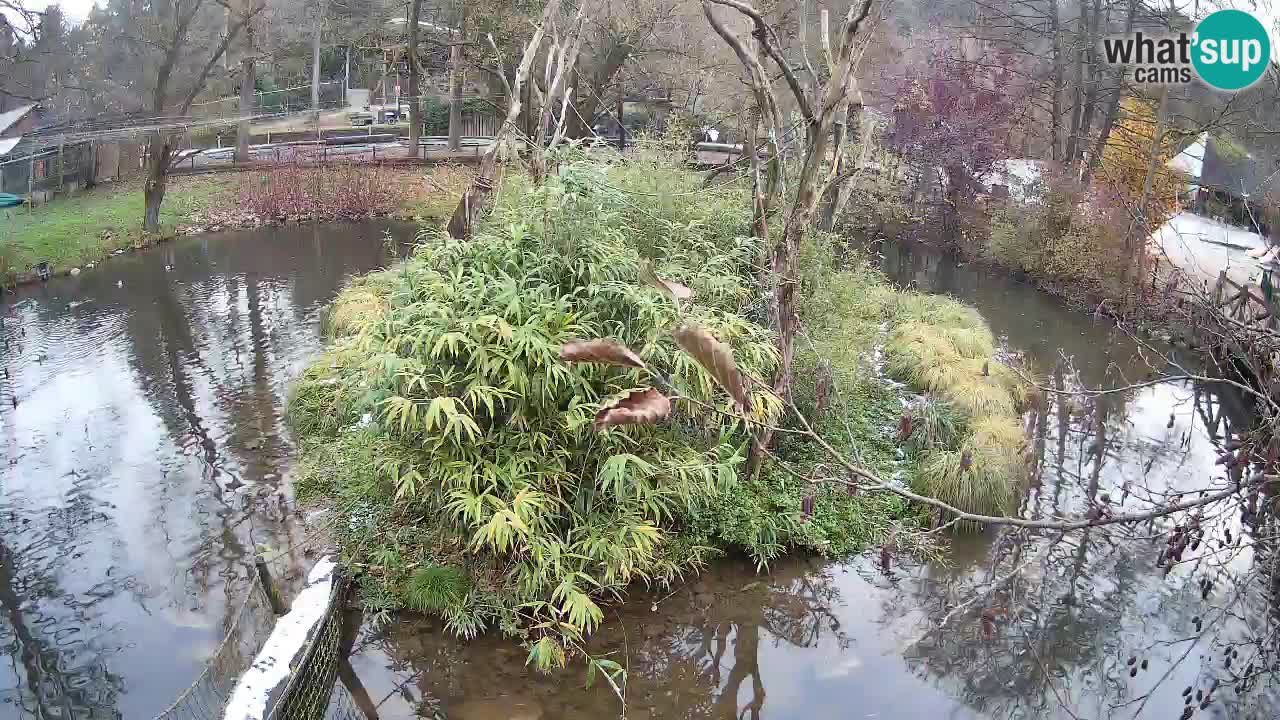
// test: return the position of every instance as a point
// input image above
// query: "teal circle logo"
(1231, 50)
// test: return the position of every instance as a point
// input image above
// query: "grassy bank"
(459, 451)
(73, 231)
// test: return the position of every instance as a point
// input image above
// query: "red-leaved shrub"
(336, 192)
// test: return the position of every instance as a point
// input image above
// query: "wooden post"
(622, 130)
(264, 577)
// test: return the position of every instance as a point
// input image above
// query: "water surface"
(145, 457)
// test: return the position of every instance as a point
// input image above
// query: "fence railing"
(206, 698)
(311, 684)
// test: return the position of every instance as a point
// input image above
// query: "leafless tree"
(819, 102)
(559, 57)
(182, 41)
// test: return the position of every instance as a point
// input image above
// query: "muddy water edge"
(145, 457)
(1086, 627)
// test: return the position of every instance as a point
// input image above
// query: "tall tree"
(818, 109)
(315, 60)
(248, 86)
(415, 93)
(181, 41)
(456, 70)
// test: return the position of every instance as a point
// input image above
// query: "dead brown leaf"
(670, 288)
(609, 352)
(639, 407)
(716, 358)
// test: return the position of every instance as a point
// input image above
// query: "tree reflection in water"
(697, 656)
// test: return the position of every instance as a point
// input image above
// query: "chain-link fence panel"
(310, 686)
(249, 627)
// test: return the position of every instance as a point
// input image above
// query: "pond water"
(145, 457)
(817, 639)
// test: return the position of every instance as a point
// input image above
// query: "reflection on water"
(850, 640)
(145, 456)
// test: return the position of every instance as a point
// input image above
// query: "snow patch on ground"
(1203, 247)
(271, 667)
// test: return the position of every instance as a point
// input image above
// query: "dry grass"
(432, 196)
(364, 301)
(983, 487)
(944, 348)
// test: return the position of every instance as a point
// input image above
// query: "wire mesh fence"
(249, 627)
(310, 690)
(310, 686)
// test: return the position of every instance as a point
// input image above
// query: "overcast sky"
(74, 10)
(1267, 10)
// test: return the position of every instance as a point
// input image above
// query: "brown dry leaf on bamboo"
(716, 358)
(609, 352)
(644, 406)
(670, 288)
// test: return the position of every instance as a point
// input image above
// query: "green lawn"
(71, 231)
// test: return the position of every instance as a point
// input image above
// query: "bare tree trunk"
(1055, 140)
(1113, 109)
(759, 211)
(248, 96)
(1095, 81)
(582, 109)
(315, 66)
(415, 102)
(455, 90)
(158, 151)
(1077, 76)
(159, 147)
(828, 210)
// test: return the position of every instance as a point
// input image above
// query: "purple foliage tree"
(952, 118)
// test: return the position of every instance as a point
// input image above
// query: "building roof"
(7, 144)
(7, 119)
(1240, 174)
(1191, 159)
(433, 27)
